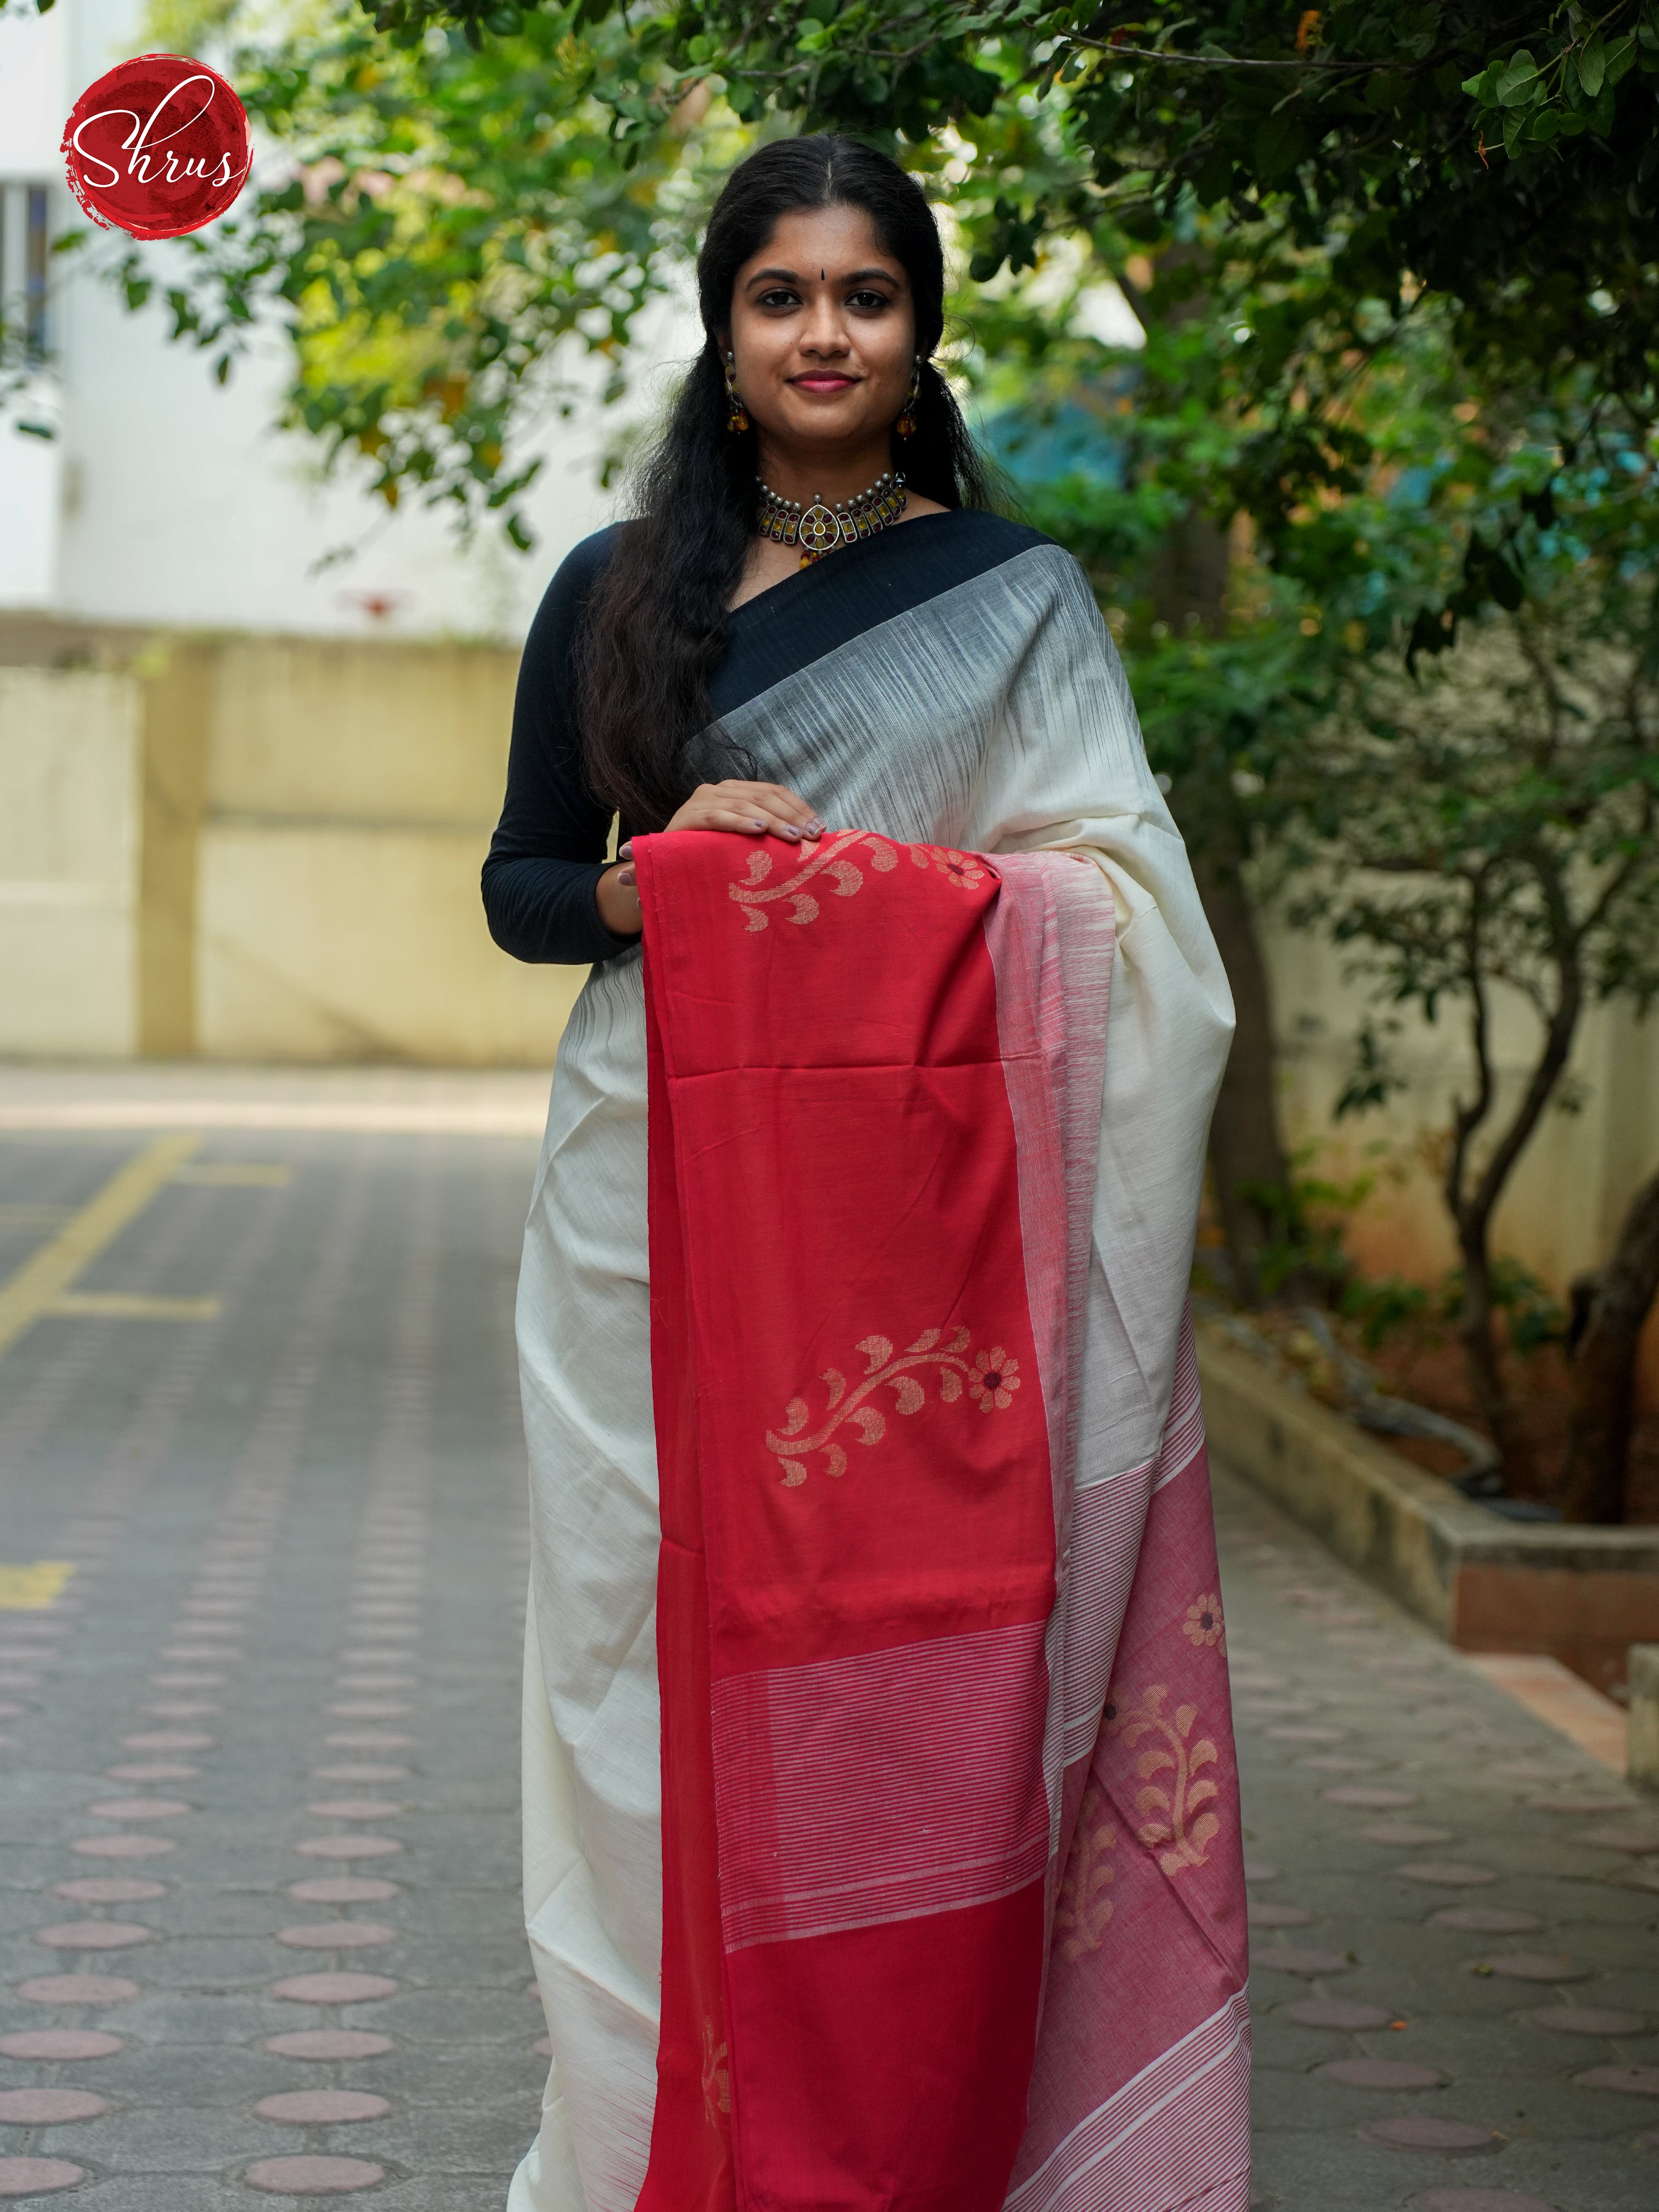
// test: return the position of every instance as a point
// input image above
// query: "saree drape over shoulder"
(882, 1842)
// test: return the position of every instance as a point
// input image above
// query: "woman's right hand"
(748, 810)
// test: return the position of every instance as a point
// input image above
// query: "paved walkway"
(258, 1917)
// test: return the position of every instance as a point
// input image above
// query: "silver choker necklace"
(819, 528)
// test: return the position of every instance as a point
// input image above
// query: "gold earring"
(737, 414)
(906, 425)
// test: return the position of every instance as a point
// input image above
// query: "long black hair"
(656, 625)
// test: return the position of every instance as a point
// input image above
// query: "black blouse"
(548, 853)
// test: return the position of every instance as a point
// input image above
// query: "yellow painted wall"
(70, 811)
(262, 849)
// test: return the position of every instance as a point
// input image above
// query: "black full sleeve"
(548, 853)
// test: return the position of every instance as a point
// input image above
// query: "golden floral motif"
(1171, 1824)
(994, 1380)
(1083, 1907)
(796, 1440)
(1204, 1625)
(963, 869)
(716, 2074)
(825, 858)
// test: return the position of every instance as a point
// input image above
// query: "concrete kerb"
(1644, 1766)
(1585, 1595)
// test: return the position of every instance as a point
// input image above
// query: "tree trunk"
(1246, 1155)
(1483, 1357)
(1603, 1383)
(1188, 589)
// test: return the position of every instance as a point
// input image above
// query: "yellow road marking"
(132, 1305)
(47, 1275)
(221, 1173)
(30, 1590)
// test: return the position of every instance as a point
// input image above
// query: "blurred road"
(261, 1585)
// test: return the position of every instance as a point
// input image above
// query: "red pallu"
(884, 1625)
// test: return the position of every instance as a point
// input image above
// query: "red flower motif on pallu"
(959, 868)
(1204, 1625)
(826, 858)
(991, 1382)
(1083, 1908)
(994, 1380)
(716, 2074)
(1171, 1822)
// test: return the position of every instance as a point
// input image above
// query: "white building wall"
(169, 499)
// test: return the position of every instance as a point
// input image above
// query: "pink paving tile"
(355, 1808)
(1638, 1838)
(123, 1847)
(1406, 1834)
(77, 1989)
(52, 2045)
(18, 1678)
(109, 1889)
(337, 1935)
(153, 1769)
(1478, 2200)
(1446, 1874)
(313, 2175)
(1487, 1920)
(1256, 1870)
(1310, 1964)
(328, 2045)
(1628, 2080)
(321, 2108)
(1588, 2020)
(1395, 2074)
(10, 1709)
(348, 1847)
(1341, 2012)
(168, 1740)
(1337, 1762)
(92, 1935)
(1417, 2131)
(361, 1770)
(47, 2108)
(343, 1889)
(38, 2177)
(138, 1808)
(543, 2048)
(1535, 1966)
(1263, 1915)
(334, 1989)
(366, 1740)
(362, 1683)
(1306, 1732)
(180, 1709)
(1576, 1800)
(369, 1709)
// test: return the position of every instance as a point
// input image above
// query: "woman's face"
(823, 331)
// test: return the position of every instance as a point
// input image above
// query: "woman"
(814, 638)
